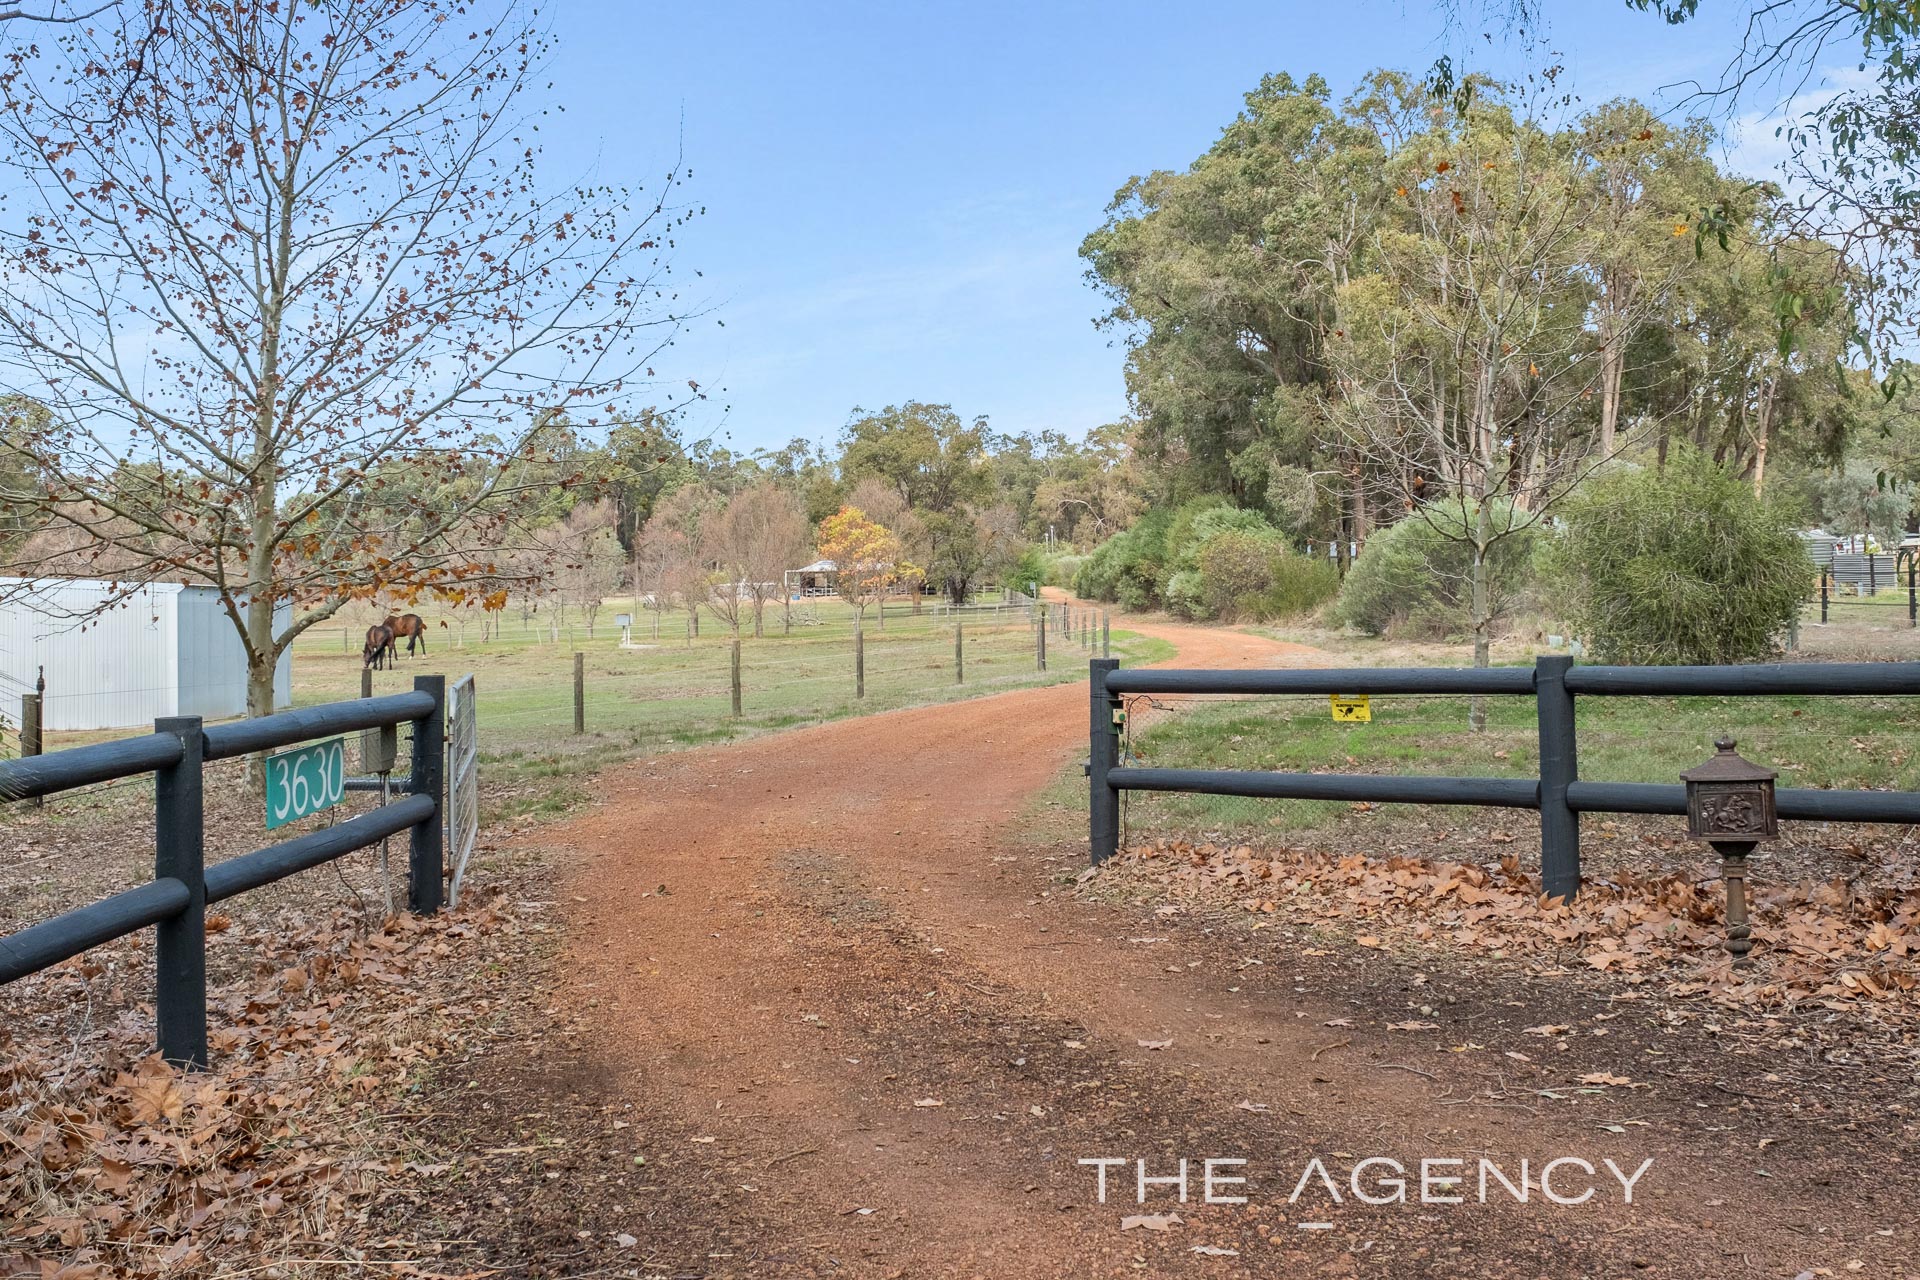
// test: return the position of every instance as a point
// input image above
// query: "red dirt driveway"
(842, 1011)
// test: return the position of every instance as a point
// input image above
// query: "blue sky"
(895, 193)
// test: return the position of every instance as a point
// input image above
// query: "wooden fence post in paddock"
(30, 732)
(736, 677)
(1106, 634)
(579, 692)
(1040, 642)
(180, 941)
(366, 681)
(859, 659)
(959, 656)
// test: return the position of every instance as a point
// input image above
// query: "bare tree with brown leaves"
(762, 533)
(299, 307)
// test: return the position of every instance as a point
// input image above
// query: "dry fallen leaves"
(115, 1164)
(1836, 940)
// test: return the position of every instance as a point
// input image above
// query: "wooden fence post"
(736, 677)
(30, 733)
(859, 659)
(180, 941)
(579, 692)
(959, 656)
(1106, 634)
(1040, 641)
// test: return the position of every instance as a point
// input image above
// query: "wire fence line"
(604, 700)
(674, 625)
(671, 695)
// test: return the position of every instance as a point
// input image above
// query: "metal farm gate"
(463, 779)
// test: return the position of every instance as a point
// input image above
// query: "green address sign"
(305, 780)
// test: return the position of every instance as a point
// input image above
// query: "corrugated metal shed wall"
(212, 664)
(168, 651)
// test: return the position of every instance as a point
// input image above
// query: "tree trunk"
(1482, 613)
(1613, 367)
(1760, 441)
(759, 617)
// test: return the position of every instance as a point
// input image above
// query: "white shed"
(168, 650)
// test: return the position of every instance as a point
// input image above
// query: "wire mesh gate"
(463, 779)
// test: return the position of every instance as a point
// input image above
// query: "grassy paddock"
(1813, 742)
(675, 694)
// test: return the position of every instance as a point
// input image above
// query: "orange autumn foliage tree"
(867, 558)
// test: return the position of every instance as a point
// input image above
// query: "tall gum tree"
(1466, 360)
(1223, 280)
(296, 303)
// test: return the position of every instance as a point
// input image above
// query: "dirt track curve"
(850, 1019)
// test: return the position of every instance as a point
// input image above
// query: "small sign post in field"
(305, 780)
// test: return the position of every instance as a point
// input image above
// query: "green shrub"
(1186, 540)
(1138, 567)
(1186, 595)
(1683, 565)
(1031, 567)
(1063, 569)
(1416, 576)
(1127, 567)
(1180, 548)
(1298, 584)
(1236, 569)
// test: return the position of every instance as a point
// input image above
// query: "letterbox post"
(1730, 805)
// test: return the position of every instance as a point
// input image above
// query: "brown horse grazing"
(408, 627)
(378, 651)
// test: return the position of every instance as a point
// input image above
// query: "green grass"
(676, 694)
(1813, 742)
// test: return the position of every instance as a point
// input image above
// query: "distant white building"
(167, 650)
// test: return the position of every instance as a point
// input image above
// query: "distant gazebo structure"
(812, 581)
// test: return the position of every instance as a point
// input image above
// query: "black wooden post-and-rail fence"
(176, 899)
(1558, 794)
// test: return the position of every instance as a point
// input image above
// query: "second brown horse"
(378, 651)
(408, 627)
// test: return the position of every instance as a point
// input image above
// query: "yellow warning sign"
(1355, 710)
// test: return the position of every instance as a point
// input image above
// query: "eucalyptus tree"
(1466, 358)
(1223, 280)
(1647, 179)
